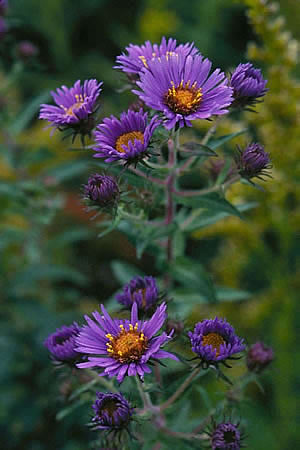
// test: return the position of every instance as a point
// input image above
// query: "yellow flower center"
(215, 340)
(126, 137)
(128, 346)
(183, 99)
(79, 102)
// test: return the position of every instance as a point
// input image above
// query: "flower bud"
(102, 190)
(253, 161)
(259, 357)
(26, 50)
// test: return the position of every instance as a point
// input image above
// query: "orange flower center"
(183, 99)
(79, 102)
(128, 346)
(126, 137)
(215, 340)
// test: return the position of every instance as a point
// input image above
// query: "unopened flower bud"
(26, 50)
(259, 357)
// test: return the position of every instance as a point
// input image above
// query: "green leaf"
(213, 202)
(197, 149)
(69, 409)
(213, 144)
(68, 170)
(201, 218)
(22, 121)
(192, 274)
(124, 272)
(227, 294)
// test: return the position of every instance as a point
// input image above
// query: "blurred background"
(53, 269)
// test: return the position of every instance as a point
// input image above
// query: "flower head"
(226, 436)
(3, 7)
(126, 139)
(75, 106)
(253, 161)
(248, 85)
(259, 357)
(3, 27)
(61, 344)
(181, 87)
(139, 55)
(112, 412)
(102, 190)
(125, 347)
(141, 290)
(214, 340)
(26, 50)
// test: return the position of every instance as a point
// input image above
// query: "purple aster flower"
(102, 190)
(253, 161)
(3, 7)
(3, 27)
(112, 412)
(248, 85)
(75, 106)
(183, 90)
(259, 357)
(139, 55)
(226, 436)
(127, 139)
(214, 340)
(61, 344)
(26, 50)
(140, 290)
(125, 347)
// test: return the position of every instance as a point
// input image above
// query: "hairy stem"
(180, 390)
(144, 395)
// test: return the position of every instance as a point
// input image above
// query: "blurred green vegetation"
(53, 268)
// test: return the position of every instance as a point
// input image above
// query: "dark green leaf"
(213, 202)
(213, 144)
(124, 272)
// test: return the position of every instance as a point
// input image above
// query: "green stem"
(180, 390)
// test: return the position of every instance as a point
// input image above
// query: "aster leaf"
(124, 272)
(213, 202)
(197, 149)
(216, 143)
(194, 276)
(202, 218)
(69, 409)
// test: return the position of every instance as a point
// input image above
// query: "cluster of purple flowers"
(174, 80)
(178, 83)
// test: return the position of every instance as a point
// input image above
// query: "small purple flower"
(214, 340)
(125, 347)
(61, 344)
(253, 161)
(259, 357)
(75, 106)
(26, 50)
(3, 27)
(139, 55)
(112, 412)
(127, 139)
(226, 436)
(3, 7)
(140, 290)
(248, 85)
(182, 89)
(102, 190)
